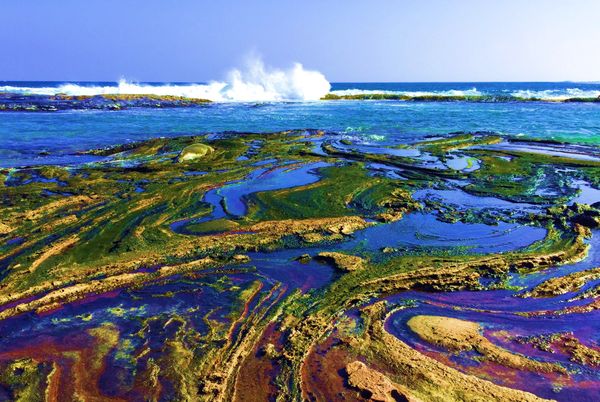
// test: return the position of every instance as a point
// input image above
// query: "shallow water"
(233, 195)
(230, 199)
(463, 200)
(418, 230)
(586, 193)
(61, 133)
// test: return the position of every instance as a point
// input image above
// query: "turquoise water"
(23, 135)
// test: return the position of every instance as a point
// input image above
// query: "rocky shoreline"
(12, 102)
(302, 265)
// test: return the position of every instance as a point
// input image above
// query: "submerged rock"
(589, 218)
(304, 258)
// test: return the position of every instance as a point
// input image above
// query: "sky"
(347, 40)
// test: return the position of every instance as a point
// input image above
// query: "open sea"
(53, 137)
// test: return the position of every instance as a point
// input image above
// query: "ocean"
(24, 136)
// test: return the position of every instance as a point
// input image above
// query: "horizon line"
(331, 82)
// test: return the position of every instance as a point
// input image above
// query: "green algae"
(213, 226)
(119, 229)
(133, 222)
(441, 146)
(343, 191)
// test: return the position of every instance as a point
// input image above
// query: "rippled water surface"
(24, 135)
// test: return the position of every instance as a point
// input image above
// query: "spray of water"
(255, 82)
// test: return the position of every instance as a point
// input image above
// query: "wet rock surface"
(301, 265)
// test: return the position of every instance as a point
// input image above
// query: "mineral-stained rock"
(241, 258)
(460, 335)
(580, 352)
(104, 228)
(270, 351)
(564, 284)
(427, 378)
(375, 385)
(4, 228)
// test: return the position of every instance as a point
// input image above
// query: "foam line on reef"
(473, 95)
(526, 94)
(451, 92)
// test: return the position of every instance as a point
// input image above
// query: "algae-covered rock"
(25, 377)
(344, 262)
(195, 151)
(5, 229)
(304, 258)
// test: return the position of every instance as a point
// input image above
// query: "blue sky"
(351, 40)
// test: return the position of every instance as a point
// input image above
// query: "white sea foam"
(122, 88)
(557, 94)
(254, 83)
(450, 92)
(257, 82)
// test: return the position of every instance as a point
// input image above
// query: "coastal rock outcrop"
(195, 151)
(343, 262)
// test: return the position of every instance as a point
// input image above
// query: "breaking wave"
(547, 95)
(557, 94)
(256, 82)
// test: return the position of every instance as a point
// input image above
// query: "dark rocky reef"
(11, 102)
(452, 98)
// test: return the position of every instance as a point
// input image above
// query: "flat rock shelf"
(301, 265)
